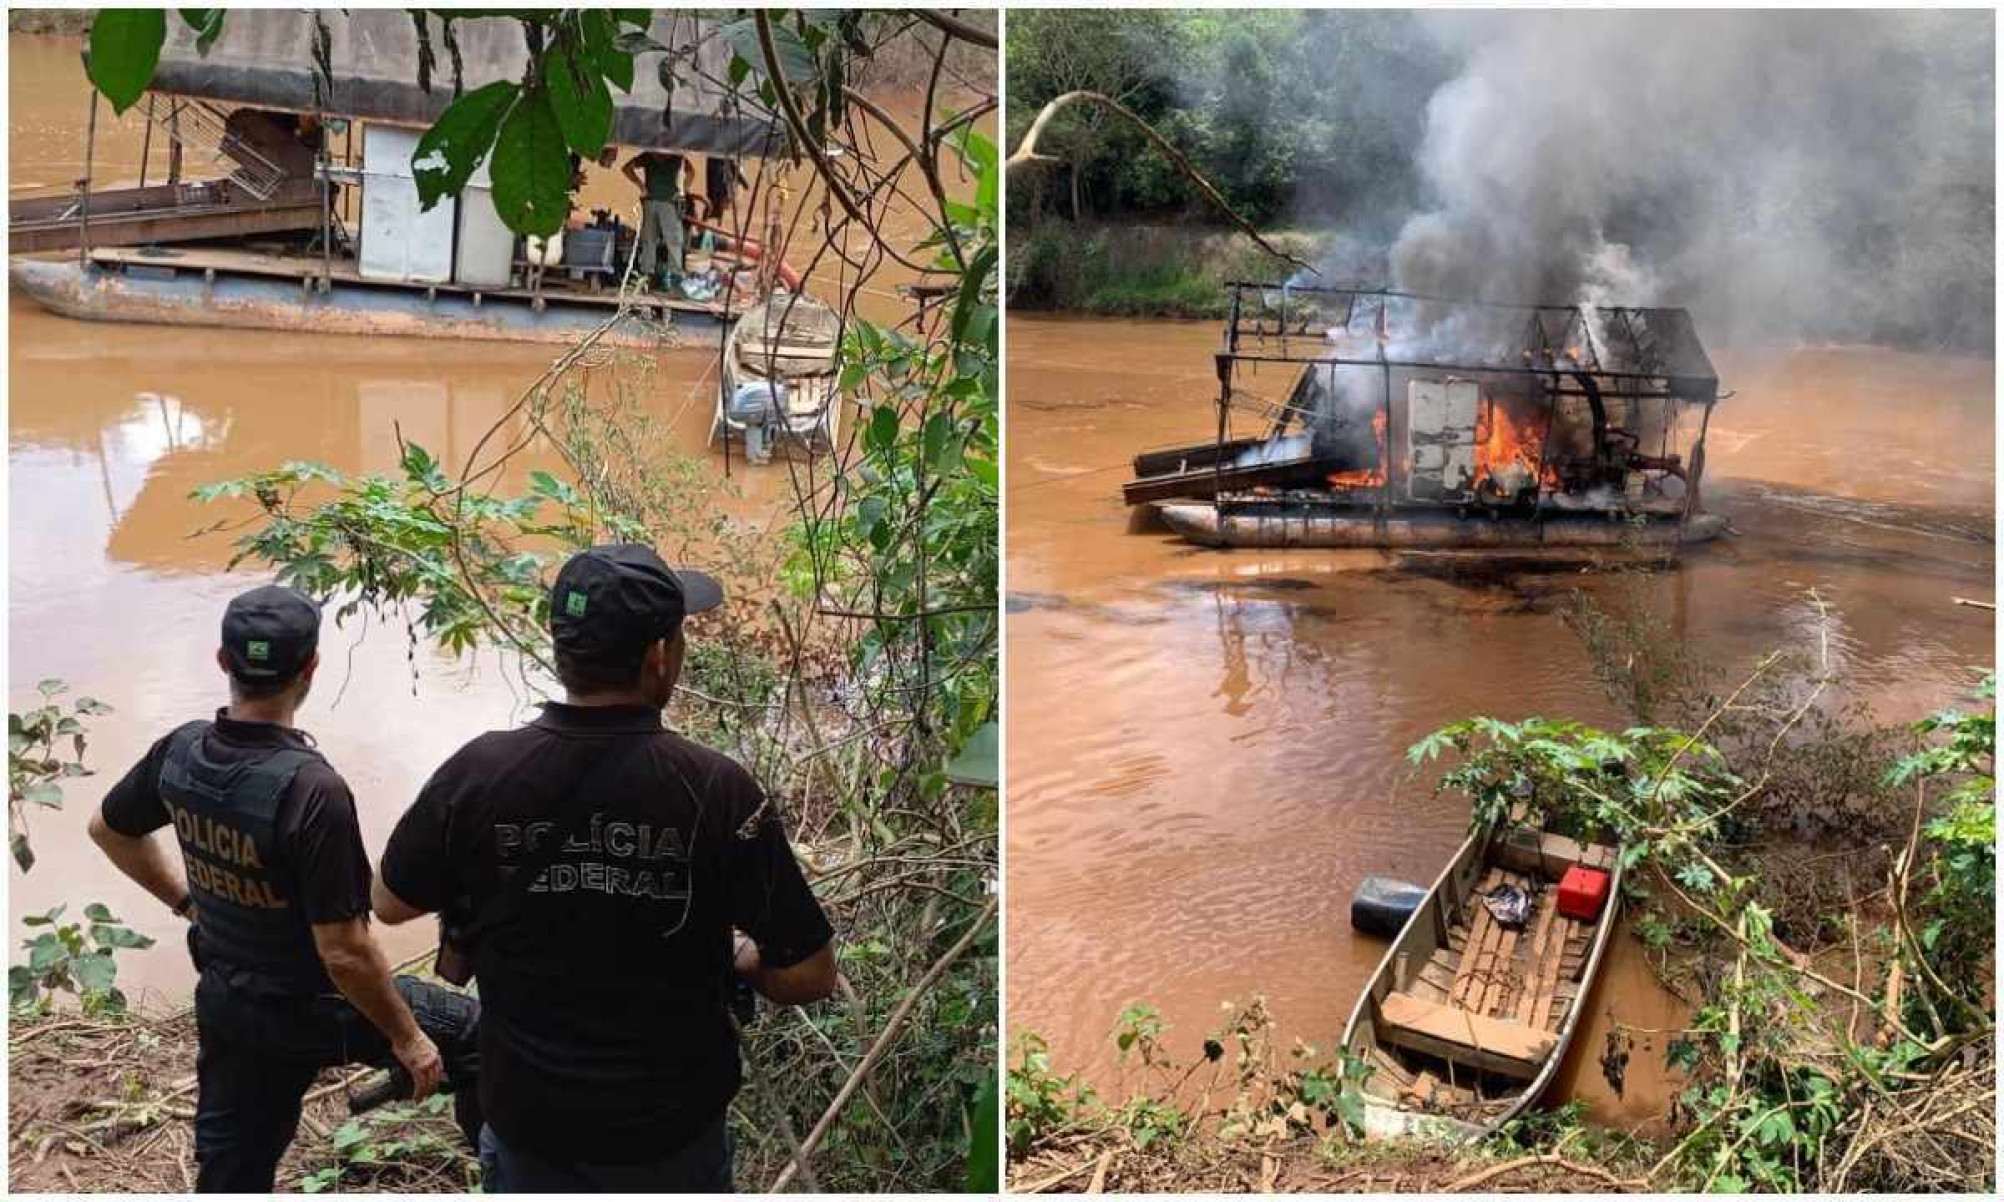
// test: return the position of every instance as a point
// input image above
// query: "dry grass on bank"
(107, 1105)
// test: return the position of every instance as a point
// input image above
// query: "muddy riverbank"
(1206, 748)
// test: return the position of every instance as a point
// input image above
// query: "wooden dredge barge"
(264, 244)
(1414, 421)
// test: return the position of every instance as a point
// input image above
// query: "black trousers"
(259, 1054)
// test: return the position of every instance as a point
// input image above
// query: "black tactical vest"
(225, 816)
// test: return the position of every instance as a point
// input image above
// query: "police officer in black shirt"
(276, 884)
(611, 876)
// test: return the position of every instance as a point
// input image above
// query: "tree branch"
(883, 1043)
(955, 27)
(1027, 154)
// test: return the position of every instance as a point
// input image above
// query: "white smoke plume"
(1787, 175)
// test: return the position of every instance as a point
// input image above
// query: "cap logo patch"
(257, 649)
(574, 604)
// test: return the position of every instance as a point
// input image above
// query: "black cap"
(612, 601)
(269, 633)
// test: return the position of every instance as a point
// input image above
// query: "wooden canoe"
(1464, 1022)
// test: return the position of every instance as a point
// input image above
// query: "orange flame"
(1365, 477)
(1504, 442)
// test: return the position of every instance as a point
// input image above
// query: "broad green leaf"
(44, 951)
(796, 61)
(124, 51)
(580, 100)
(883, 432)
(450, 151)
(531, 169)
(207, 24)
(983, 1130)
(978, 761)
(105, 935)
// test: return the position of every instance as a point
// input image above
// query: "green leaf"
(43, 951)
(23, 854)
(532, 172)
(796, 61)
(350, 1134)
(207, 24)
(978, 763)
(450, 151)
(580, 99)
(124, 51)
(106, 935)
(21, 987)
(883, 433)
(983, 1169)
(99, 912)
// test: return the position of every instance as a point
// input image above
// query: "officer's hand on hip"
(421, 1060)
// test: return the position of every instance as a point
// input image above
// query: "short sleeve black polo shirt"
(325, 866)
(604, 1037)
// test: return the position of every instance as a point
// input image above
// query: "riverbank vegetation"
(1119, 269)
(853, 671)
(1818, 887)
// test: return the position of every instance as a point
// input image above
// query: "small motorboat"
(780, 377)
(1467, 1018)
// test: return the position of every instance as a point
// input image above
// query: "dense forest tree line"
(1306, 115)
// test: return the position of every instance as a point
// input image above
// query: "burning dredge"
(1414, 421)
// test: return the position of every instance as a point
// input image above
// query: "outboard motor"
(757, 405)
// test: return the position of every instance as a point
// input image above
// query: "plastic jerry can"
(1582, 893)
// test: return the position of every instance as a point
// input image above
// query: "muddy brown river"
(1206, 747)
(113, 425)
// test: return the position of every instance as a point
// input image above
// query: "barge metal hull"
(245, 301)
(1203, 525)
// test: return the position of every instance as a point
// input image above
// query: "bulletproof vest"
(225, 815)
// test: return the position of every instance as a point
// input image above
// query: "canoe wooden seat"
(1497, 1045)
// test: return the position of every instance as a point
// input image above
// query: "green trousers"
(660, 237)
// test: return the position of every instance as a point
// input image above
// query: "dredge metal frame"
(1642, 354)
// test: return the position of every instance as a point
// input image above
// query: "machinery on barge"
(1418, 421)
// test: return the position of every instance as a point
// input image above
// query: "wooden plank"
(1390, 1066)
(1482, 932)
(1542, 1009)
(1544, 972)
(1506, 1048)
(1542, 956)
(1433, 982)
(1503, 972)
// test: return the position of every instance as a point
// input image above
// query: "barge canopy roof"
(264, 58)
(1376, 326)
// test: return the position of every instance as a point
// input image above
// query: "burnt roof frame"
(1641, 365)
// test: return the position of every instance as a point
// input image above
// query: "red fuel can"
(1582, 892)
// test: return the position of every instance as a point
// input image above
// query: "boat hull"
(241, 301)
(1202, 524)
(1427, 926)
